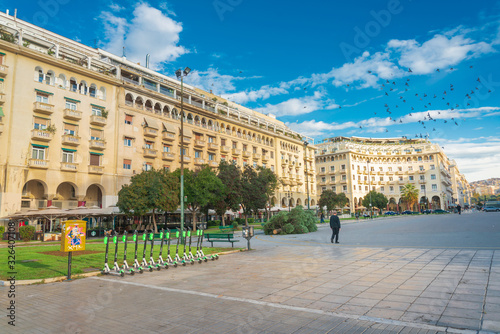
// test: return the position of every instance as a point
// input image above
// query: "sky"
(376, 69)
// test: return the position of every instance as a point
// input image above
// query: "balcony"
(69, 167)
(225, 149)
(343, 171)
(97, 144)
(213, 164)
(168, 136)
(236, 151)
(37, 163)
(199, 161)
(265, 157)
(399, 172)
(70, 140)
(2, 98)
(246, 154)
(213, 146)
(390, 172)
(3, 70)
(96, 169)
(286, 181)
(284, 162)
(186, 158)
(422, 181)
(97, 120)
(299, 179)
(257, 156)
(168, 156)
(343, 181)
(43, 108)
(150, 132)
(1, 128)
(199, 143)
(185, 140)
(150, 153)
(421, 171)
(42, 135)
(72, 114)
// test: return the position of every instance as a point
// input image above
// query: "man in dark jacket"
(335, 226)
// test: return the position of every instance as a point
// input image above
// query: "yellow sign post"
(73, 236)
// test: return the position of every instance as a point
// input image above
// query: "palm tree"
(409, 194)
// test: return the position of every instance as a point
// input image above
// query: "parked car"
(427, 211)
(441, 211)
(490, 209)
(390, 213)
(409, 212)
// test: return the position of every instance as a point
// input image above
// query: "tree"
(149, 191)
(332, 200)
(230, 197)
(271, 183)
(201, 187)
(377, 199)
(253, 192)
(409, 195)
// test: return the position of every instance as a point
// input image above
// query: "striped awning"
(169, 127)
(151, 123)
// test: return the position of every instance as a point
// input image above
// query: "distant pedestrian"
(459, 209)
(322, 218)
(335, 226)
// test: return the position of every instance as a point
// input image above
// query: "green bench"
(226, 228)
(221, 237)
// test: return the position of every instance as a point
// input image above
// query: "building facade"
(355, 165)
(76, 123)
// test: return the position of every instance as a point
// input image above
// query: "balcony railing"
(199, 143)
(199, 161)
(247, 154)
(168, 136)
(225, 149)
(72, 114)
(168, 156)
(213, 164)
(150, 153)
(38, 163)
(97, 120)
(3, 70)
(213, 146)
(43, 108)
(97, 144)
(150, 132)
(186, 158)
(2, 98)
(96, 169)
(70, 140)
(69, 166)
(265, 157)
(186, 140)
(41, 135)
(236, 151)
(257, 156)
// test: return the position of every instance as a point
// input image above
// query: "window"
(70, 129)
(223, 142)
(68, 156)
(352, 166)
(354, 177)
(166, 168)
(421, 168)
(434, 187)
(263, 165)
(432, 166)
(149, 145)
(400, 169)
(342, 167)
(38, 153)
(42, 98)
(391, 189)
(323, 188)
(344, 177)
(344, 188)
(400, 178)
(148, 166)
(183, 151)
(422, 177)
(419, 159)
(322, 169)
(197, 154)
(96, 111)
(271, 154)
(323, 179)
(70, 105)
(372, 169)
(381, 178)
(254, 164)
(95, 159)
(97, 134)
(389, 169)
(332, 168)
(334, 188)
(433, 176)
(422, 187)
(211, 139)
(127, 164)
(382, 189)
(272, 167)
(166, 148)
(381, 169)
(401, 188)
(127, 141)
(128, 119)
(410, 177)
(254, 149)
(40, 123)
(410, 168)
(222, 158)
(235, 144)
(211, 157)
(366, 188)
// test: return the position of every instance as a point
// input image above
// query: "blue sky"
(353, 68)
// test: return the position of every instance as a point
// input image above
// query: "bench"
(226, 228)
(221, 237)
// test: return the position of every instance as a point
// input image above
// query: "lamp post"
(307, 177)
(289, 199)
(369, 187)
(180, 75)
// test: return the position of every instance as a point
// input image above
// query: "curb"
(90, 274)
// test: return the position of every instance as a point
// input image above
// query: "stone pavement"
(286, 287)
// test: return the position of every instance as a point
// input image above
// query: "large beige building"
(355, 165)
(77, 122)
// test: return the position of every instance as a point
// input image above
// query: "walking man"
(335, 226)
(459, 209)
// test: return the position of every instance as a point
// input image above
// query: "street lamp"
(307, 177)
(369, 187)
(289, 200)
(180, 75)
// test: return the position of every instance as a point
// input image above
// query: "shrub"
(27, 232)
(235, 224)
(288, 228)
(297, 221)
(2, 231)
(212, 223)
(251, 220)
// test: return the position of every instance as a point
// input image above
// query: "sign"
(73, 235)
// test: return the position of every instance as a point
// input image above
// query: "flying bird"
(409, 70)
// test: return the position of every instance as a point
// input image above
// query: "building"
(77, 122)
(355, 165)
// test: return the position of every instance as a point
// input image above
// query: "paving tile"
(460, 323)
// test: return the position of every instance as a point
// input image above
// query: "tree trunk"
(277, 231)
(154, 222)
(194, 219)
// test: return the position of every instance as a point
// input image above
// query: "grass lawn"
(40, 261)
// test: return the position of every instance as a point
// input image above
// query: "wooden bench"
(221, 237)
(226, 228)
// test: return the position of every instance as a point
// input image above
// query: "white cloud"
(438, 52)
(149, 31)
(211, 79)
(264, 92)
(299, 106)
(166, 8)
(116, 7)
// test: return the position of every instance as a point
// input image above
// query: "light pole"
(369, 187)
(289, 199)
(307, 177)
(181, 74)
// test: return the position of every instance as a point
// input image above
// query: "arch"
(436, 202)
(35, 189)
(299, 201)
(292, 202)
(284, 202)
(228, 129)
(129, 99)
(271, 142)
(50, 78)
(157, 108)
(83, 88)
(190, 118)
(273, 201)
(203, 123)
(175, 114)
(93, 90)
(139, 103)
(102, 93)
(94, 195)
(39, 75)
(393, 206)
(66, 191)
(197, 120)
(166, 111)
(61, 81)
(210, 125)
(355, 202)
(73, 85)
(313, 202)
(148, 106)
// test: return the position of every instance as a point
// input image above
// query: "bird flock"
(401, 91)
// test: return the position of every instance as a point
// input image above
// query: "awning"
(68, 150)
(151, 123)
(97, 106)
(1, 112)
(96, 153)
(169, 127)
(187, 132)
(72, 100)
(39, 146)
(45, 92)
(71, 124)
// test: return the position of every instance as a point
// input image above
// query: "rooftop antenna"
(124, 55)
(147, 60)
